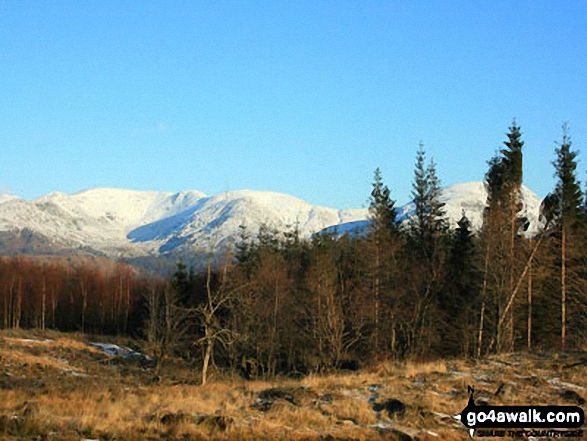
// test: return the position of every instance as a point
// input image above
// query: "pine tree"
(427, 238)
(382, 241)
(564, 211)
(382, 212)
(502, 226)
(419, 193)
(428, 223)
(437, 213)
(568, 210)
(461, 296)
(512, 157)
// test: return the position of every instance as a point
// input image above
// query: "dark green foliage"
(565, 205)
(180, 280)
(512, 156)
(503, 243)
(428, 225)
(419, 193)
(504, 177)
(461, 300)
(243, 246)
(267, 237)
(382, 212)
(461, 261)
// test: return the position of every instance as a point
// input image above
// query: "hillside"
(71, 386)
(146, 225)
(467, 198)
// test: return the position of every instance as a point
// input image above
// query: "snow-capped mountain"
(213, 221)
(138, 224)
(127, 223)
(98, 219)
(467, 197)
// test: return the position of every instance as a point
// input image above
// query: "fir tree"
(461, 256)
(460, 300)
(437, 213)
(504, 177)
(427, 228)
(428, 223)
(568, 209)
(563, 211)
(502, 226)
(382, 244)
(512, 156)
(419, 193)
(243, 246)
(382, 212)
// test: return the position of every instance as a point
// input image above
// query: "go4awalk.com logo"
(522, 421)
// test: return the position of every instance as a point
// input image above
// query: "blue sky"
(306, 98)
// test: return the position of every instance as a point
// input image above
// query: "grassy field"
(61, 387)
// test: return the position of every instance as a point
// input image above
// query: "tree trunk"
(515, 292)
(564, 289)
(18, 306)
(376, 289)
(530, 307)
(43, 302)
(84, 293)
(483, 294)
(207, 356)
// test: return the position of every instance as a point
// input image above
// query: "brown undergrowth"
(59, 387)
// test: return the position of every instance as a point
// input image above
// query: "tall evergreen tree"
(502, 226)
(564, 213)
(460, 299)
(382, 212)
(428, 223)
(569, 209)
(512, 156)
(419, 193)
(437, 213)
(426, 236)
(382, 243)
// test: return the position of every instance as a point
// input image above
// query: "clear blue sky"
(301, 97)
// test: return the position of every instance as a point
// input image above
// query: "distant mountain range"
(467, 198)
(147, 227)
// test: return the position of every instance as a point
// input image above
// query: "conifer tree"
(428, 223)
(461, 296)
(426, 236)
(382, 212)
(419, 193)
(502, 226)
(564, 213)
(382, 240)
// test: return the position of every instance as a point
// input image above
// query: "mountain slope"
(214, 221)
(148, 224)
(99, 219)
(127, 223)
(465, 197)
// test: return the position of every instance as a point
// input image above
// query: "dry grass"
(41, 392)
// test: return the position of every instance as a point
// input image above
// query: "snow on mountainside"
(126, 223)
(134, 224)
(98, 218)
(5, 197)
(214, 220)
(469, 197)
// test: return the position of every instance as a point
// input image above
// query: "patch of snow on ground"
(113, 350)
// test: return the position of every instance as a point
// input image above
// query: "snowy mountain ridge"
(465, 197)
(129, 223)
(132, 224)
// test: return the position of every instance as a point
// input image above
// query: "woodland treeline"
(280, 304)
